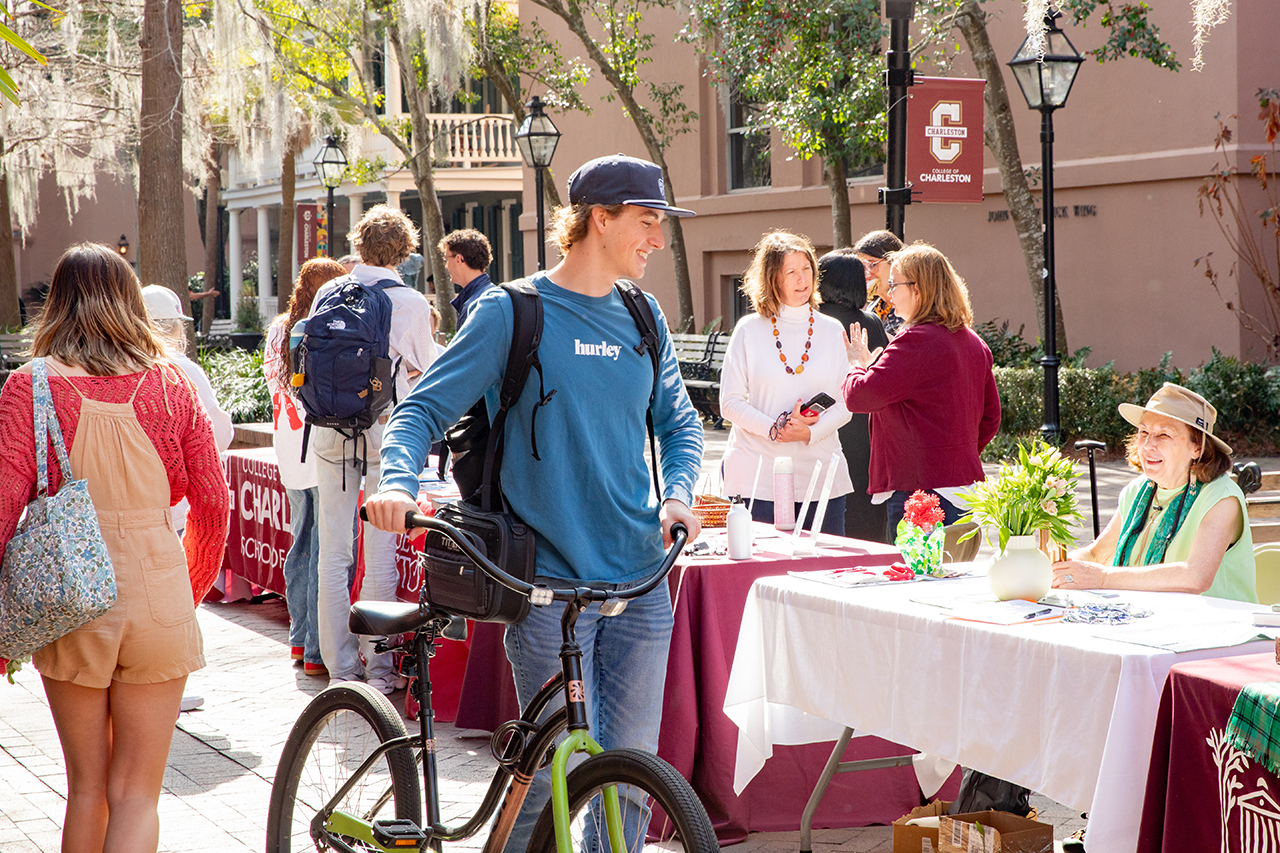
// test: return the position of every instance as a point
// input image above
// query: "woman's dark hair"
(842, 280)
(878, 244)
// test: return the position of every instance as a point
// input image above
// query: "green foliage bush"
(1246, 395)
(238, 383)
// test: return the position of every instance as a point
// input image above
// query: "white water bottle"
(784, 494)
(738, 527)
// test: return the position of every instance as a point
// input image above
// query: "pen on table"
(1036, 613)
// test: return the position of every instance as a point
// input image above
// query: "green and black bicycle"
(349, 773)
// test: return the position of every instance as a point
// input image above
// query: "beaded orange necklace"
(807, 344)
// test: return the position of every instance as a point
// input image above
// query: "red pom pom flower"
(923, 510)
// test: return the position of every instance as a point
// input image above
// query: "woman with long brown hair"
(140, 438)
(297, 477)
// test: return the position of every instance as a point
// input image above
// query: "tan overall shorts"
(151, 634)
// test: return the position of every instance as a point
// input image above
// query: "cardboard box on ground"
(993, 832)
(911, 839)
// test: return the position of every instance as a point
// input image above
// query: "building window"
(748, 147)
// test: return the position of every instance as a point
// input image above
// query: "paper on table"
(855, 576)
(1015, 612)
(1185, 635)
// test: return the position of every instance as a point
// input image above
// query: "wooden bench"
(13, 345)
(701, 358)
(1262, 501)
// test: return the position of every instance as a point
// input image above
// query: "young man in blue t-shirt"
(589, 498)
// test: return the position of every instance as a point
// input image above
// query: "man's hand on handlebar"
(386, 511)
(673, 512)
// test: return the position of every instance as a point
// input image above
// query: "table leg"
(833, 766)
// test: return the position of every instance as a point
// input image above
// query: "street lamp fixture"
(537, 138)
(331, 166)
(1046, 82)
(123, 246)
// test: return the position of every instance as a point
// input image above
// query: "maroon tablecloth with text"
(696, 737)
(1200, 789)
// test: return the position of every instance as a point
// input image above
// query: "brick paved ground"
(224, 755)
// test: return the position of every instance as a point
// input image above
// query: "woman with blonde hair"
(931, 393)
(140, 438)
(779, 358)
(298, 477)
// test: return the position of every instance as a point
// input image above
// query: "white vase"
(1021, 571)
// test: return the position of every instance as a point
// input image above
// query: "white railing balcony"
(465, 140)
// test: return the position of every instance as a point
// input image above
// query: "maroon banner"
(944, 140)
(259, 537)
(308, 224)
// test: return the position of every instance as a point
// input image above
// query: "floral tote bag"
(56, 574)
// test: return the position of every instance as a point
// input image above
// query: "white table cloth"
(1052, 706)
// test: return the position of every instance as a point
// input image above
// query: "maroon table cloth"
(696, 737)
(1199, 788)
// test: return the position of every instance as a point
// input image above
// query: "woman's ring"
(1067, 579)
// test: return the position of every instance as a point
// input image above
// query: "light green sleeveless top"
(1235, 577)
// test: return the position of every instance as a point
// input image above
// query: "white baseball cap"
(163, 303)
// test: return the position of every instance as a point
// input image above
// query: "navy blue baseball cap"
(619, 179)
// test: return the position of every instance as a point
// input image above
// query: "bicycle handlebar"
(538, 594)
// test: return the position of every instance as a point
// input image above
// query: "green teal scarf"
(1167, 525)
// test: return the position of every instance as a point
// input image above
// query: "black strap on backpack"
(638, 306)
(526, 335)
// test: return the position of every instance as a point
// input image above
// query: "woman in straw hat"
(1181, 526)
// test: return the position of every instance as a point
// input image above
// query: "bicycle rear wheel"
(331, 739)
(644, 782)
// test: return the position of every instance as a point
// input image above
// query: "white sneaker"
(190, 703)
(387, 686)
(335, 681)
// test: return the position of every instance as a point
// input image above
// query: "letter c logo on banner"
(945, 131)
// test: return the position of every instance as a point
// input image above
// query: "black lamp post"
(331, 165)
(537, 138)
(1045, 82)
(123, 246)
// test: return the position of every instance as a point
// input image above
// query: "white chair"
(1266, 557)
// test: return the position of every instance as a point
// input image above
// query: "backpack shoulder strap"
(526, 335)
(642, 315)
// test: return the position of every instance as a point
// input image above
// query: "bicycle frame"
(522, 756)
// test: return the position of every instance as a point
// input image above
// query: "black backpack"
(451, 581)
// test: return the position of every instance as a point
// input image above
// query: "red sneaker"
(295, 652)
(314, 669)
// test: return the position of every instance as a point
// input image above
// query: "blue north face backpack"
(342, 368)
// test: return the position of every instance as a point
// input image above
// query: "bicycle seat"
(379, 618)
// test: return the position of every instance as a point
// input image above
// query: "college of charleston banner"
(944, 140)
(307, 222)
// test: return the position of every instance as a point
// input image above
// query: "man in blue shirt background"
(467, 256)
(589, 498)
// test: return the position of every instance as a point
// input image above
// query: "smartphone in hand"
(819, 404)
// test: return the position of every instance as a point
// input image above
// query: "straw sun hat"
(1181, 404)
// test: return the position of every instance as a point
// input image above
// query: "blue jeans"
(624, 667)
(300, 573)
(832, 522)
(894, 509)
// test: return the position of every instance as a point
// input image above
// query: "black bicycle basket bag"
(451, 580)
(454, 583)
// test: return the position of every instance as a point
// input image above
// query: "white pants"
(336, 521)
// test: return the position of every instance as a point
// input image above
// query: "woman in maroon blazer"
(930, 393)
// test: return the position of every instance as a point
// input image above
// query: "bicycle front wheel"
(334, 735)
(653, 798)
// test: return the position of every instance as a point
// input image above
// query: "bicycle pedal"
(395, 834)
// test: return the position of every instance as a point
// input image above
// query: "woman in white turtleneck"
(779, 358)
